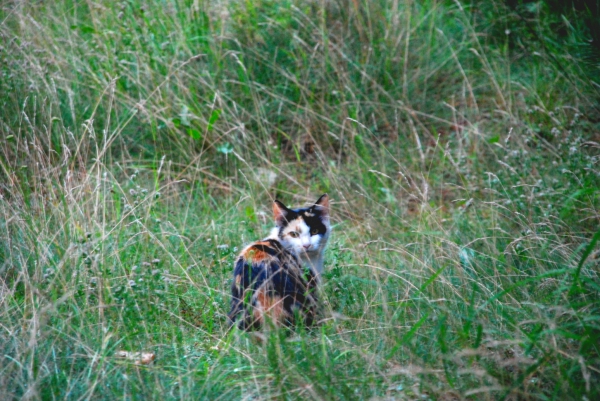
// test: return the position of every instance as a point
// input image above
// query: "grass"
(142, 145)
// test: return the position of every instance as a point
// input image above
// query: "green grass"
(142, 145)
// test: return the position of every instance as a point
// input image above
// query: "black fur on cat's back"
(269, 283)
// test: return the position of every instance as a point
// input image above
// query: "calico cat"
(277, 278)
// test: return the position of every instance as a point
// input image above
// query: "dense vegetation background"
(142, 143)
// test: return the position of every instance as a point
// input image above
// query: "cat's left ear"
(322, 205)
(280, 213)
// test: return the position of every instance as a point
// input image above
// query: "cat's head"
(303, 231)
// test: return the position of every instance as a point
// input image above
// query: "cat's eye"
(294, 234)
(314, 231)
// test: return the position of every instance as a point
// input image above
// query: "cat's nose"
(306, 246)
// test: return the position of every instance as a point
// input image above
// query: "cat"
(276, 279)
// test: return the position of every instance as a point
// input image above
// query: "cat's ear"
(322, 205)
(280, 213)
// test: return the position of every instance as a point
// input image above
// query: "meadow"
(143, 142)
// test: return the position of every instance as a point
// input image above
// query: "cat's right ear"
(280, 213)
(322, 205)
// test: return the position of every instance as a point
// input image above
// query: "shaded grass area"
(142, 145)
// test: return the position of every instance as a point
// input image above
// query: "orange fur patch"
(254, 255)
(270, 306)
